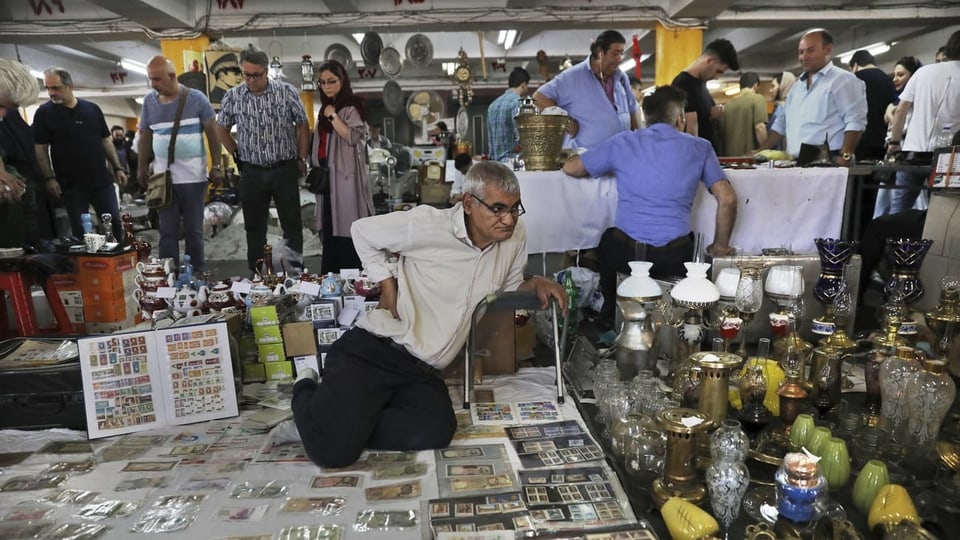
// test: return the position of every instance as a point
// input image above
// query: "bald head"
(163, 76)
(815, 49)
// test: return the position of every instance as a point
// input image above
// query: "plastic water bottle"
(945, 138)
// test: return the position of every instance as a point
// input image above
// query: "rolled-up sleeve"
(851, 96)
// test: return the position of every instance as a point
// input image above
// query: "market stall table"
(775, 207)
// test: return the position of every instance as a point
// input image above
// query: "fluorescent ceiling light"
(732, 91)
(501, 37)
(358, 38)
(714, 85)
(510, 40)
(627, 65)
(133, 65)
(875, 49)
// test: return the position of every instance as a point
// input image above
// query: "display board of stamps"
(141, 380)
(500, 512)
(514, 413)
(570, 497)
(554, 444)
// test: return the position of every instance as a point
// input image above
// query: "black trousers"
(373, 395)
(258, 186)
(873, 243)
(338, 251)
(617, 249)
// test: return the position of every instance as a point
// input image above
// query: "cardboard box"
(271, 353)
(526, 340)
(265, 335)
(278, 371)
(264, 316)
(299, 339)
(496, 343)
(453, 373)
(251, 373)
(943, 227)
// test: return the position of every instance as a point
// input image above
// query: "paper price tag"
(166, 292)
(349, 273)
(310, 288)
(242, 287)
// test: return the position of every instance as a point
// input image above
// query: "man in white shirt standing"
(381, 386)
(933, 94)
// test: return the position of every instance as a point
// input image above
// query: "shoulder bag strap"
(176, 127)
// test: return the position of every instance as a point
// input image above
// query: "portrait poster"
(223, 73)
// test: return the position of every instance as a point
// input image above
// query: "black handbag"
(318, 180)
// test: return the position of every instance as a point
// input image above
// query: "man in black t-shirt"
(702, 111)
(75, 153)
(880, 93)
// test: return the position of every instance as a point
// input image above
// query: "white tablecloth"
(775, 207)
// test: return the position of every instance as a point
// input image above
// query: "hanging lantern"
(276, 68)
(306, 74)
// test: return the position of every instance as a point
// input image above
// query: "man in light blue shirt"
(595, 93)
(826, 104)
(658, 171)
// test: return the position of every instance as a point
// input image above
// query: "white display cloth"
(775, 207)
(529, 384)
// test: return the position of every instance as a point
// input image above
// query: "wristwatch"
(331, 117)
(847, 156)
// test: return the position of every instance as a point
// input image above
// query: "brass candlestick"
(680, 476)
(715, 369)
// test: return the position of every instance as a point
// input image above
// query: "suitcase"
(41, 397)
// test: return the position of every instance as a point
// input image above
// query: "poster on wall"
(193, 75)
(138, 381)
(223, 73)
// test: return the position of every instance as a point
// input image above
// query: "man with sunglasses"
(658, 170)
(381, 386)
(273, 140)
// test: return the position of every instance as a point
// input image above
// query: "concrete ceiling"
(89, 37)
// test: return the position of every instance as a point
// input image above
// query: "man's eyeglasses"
(329, 82)
(254, 76)
(501, 210)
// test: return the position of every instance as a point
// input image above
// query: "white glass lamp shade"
(726, 281)
(784, 281)
(639, 285)
(695, 290)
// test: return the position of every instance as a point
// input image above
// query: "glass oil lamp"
(275, 69)
(682, 425)
(307, 78)
(729, 322)
(753, 390)
(695, 293)
(749, 297)
(784, 285)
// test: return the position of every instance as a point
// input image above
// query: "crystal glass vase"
(930, 394)
(906, 256)
(895, 375)
(727, 476)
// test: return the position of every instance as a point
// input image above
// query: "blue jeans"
(77, 200)
(902, 200)
(257, 187)
(188, 203)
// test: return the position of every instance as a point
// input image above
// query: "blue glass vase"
(834, 255)
(906, 255)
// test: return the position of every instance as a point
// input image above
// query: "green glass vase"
(818, 440)
(801, 431)
(835, 463)
(872, 477)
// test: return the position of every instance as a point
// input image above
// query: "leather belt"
(422, 366)
(275, 165)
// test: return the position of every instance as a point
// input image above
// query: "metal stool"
(508, 301)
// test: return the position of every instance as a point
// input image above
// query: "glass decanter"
(107, 227)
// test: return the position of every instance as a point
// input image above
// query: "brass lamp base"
(691, 491)
(840, 340)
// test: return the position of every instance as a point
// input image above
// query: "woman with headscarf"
(340, 144)
(902, 71)
(779, 88)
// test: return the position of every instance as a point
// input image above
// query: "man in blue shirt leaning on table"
(658, 170)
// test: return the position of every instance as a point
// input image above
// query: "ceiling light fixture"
(510, 40)
(133, 65)
(714, 85)
(875, 49)
(358, 38)
(501, 37)
(628, 64)
(732, 91)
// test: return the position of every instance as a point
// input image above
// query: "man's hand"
(121, 177)
(216, 176)
(719, 251)
(573, 127)
(388, 296)
(142, 177)
(53, 188)
(11, 187)
(545, 289)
